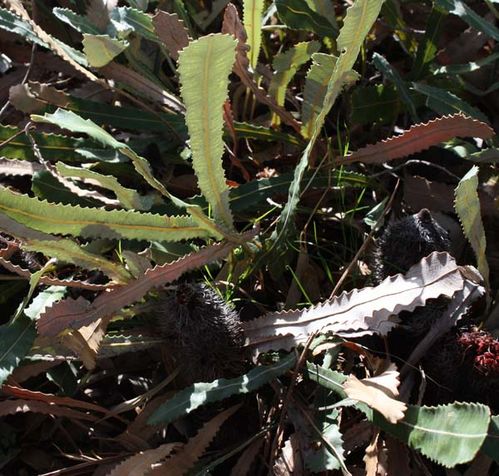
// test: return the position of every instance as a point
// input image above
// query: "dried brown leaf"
(10, 407)
(244, 463)
(27, 371)
(26, 394)
(361, 311)
(188, 456)
(171, 31)
(34, 97)
(378, 392)
(375, 457)
(25, 273)
(420, 137)
(74, 341)
(140, 464)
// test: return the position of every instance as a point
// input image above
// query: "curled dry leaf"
(378, 392)
(420, 137)
(33, 97)
(359, 312)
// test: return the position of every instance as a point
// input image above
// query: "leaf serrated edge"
(380, 151)
(79, 222)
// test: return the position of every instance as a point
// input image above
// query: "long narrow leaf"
(467, 205)
(358, 21)
(95, 223)
(204, 67)
(252, 21)
(199, 394)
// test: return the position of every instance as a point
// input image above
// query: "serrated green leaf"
(448, 434)
(252, 21)
(317, 80)
(473, 19)
(444, 102)
(96, 223)
(16, 340)
(14, 24)
(204, 67)
(126, 19)
(199, 394)
(299, 14)
(75, 123)
(51, 146)
(327, 453)
(78, 22)
(358, 21)
(467, 206)
(102, 49)
(286, 65)
(127, 197)
(68, 251)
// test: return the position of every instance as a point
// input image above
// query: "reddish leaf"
(10, 407)
(141, 463)
(420, 137)
(75, 313)
(171, 31)
(26, 394)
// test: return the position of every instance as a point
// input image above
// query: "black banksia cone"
(203, 333)
(403, 244)
(406, 242)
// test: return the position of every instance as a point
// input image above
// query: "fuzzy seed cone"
(403, 244)
(406, 242)
(203, 332)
